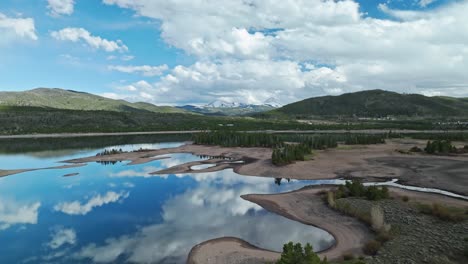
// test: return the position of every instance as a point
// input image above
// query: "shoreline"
(349, 233)
(367, 163)
(303, 205)
(337, 131)
(218, 252)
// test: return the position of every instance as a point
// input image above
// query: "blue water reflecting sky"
(121, 213)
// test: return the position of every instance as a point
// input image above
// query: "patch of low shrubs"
(348, 256)
(465, 252)
(416, 149)
(383, 237)
(355, 188)
(346, 208)
(405, 199)
(444, 213)
(372, 247)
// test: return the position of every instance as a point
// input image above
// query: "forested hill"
(375, 103)
(73, 100)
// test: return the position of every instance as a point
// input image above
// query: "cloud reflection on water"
(77, 208)
(13, 213)
(211, 209)
(165, 216)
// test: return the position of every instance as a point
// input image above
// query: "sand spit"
(306, 206)
(370, 162)
(229, 250)
(144, 160)
(71, 174)
(4, 173)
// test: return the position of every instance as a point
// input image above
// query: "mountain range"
(228, 108)
(373, 104)
(73, 100)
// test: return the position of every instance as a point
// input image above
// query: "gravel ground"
(420, 238)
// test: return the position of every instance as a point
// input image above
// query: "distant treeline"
(22, 145)
(316, 141)
(236, 139)
(26, 120)
(286, 148)
(441, 136)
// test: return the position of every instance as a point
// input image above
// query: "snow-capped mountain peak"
(220, 103)
(223, 104)
(272, 102)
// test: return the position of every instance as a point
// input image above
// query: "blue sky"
(179, 52)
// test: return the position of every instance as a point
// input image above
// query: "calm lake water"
(119, 213)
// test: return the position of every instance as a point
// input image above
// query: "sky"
(177, 52)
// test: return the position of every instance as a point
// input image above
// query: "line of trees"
(324, 141)
(443, 147)
(110, 152)
(286, 148)
(236, 139)
(363, 139)
(288, 153)
(460, 136)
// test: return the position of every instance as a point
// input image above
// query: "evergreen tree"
(295, 254)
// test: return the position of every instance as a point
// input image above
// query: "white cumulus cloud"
(253, 50)
(96, 42)
(17, 27)
(78, 208)
(60, 7)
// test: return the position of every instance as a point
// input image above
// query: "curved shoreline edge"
(349, 234)
(346, 230)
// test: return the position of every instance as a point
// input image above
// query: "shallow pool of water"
(202, 166)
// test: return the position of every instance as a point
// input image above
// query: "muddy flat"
(437, 172)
